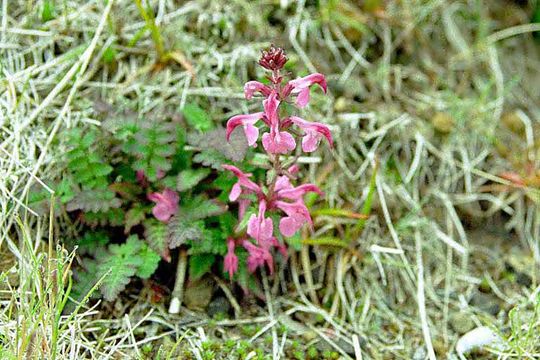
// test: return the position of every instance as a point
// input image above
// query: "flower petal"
(251, 87)
(278, 142)
(248, 121)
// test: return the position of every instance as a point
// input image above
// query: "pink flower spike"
(258, 256)
(297, 215)
(313, 132)
(278, 142)
(259, 227)
(166, 204)
(244, 185)
(230, 263)
(251, 87)
(301, 87)
(248, 122)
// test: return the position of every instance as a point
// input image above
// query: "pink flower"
(313, 133)
(278, 142)
(297, 215)
(231, 260)
(258, 256)
(166, 204)
(248, 122)
(259, 227)
(243, 185)
(251, 87)
(284, 189)
(301, 87)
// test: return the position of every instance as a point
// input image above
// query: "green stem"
(366, 209)
(149, 18)
(328, 241)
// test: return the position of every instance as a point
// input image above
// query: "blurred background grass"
(443, 95)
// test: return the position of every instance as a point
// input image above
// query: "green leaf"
(91, 242)
(96, 200)
(189, 178)
(150, 262)
(200, 265)
(199, 207)
(120, 264)
(211, 158)
(182, 230)
(48, 12)
(112, 217)
(156, 235)
(134, 216)
(153, 147)
(213, 241)
(197, 117)
(109, 55)
(295, 241)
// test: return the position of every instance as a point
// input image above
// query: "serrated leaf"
(134, 216)
(112, 217)
(189, 178)
(235, 149)
(150, 262)
(199, 207)
(156, 234)
(120, 264)
(200, 265)
(197, 118)
(213, 241)
(181, 230)
(153, 147)
(91, 242)
(96, 200)
(210, 158)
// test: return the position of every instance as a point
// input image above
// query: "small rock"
(486, 302)
(461, 322)
(219, 305)
(198, 293)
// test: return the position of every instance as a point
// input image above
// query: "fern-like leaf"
(150, 261)
(120, 264)
(134, 216)
(112, 217)
(189, 178)
(200, 265)
(157, 236)
(181, 230)
(199, 207)
(85, 164)
(94, 200)
(153, 148)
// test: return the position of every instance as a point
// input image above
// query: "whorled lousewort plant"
(279, 202)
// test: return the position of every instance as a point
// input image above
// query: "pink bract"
(258, 256)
